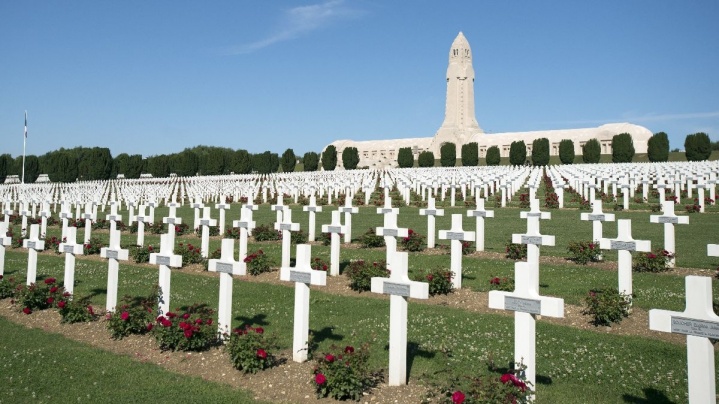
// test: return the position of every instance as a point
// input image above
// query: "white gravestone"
(348, 210)
(431, 212)
(141, 219)
(222, 207)
(89, 217)
(227, 267)
(113, 217)
(312, 208)
(113, 253)
(4, 242)
(700, 324)
(597, 217)
(24, 213)
(286, 226)
(456, 234)
(7, 212)
(533, 238)
(390, 231)
(165, 259)
(245, 224)
(527, 304)
(279, 207)
(303, 276)
(335, 229)
(206, 222)
(399, 287)
(70, 248)
(669, 219)
(33, 244)
(625, 244)
(44, 214)
(171, 221)
(65, 216)
(197, 205)
(480, 213)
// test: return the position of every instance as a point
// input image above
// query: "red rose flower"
(320, 379)
(329, 358)
(53, 289)
(90, 310)
(27, 310)
(50, 300)
(188, 333)
(506, 378)
(149, 248)
(198, 321)
(261, 354)
(61, 304)
(324, 267)
(49, 281)
(166, 323)
(124, 316)
(458, 397)
(209, 321)
(349, 349)
(186, 316)
(183, 325)
(651, 256)
(171, 314)
(149, 326)
(259, 330)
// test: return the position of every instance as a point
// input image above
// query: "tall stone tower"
(459, 120)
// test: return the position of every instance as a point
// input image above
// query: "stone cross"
(4, 242)
(114, 253)
(206, 222)
(625, 244)
(227, 267)
(669, 219)
(348, 210)
(89, 217)
(245, 224)
(171, 220)
(390, 230)
(399, 287)
(387, 208)
(533, 239)
(7, 212)
(65, 216)
(44, 214)
(222, 207)
(312, 208)
(480, 213)
(286, 226)
(597, 217)
(456, 234)
(279, 207)
(24, 213)
(527, 304)
(152, 204)
(33, 244)
(431, 212)
(141, 219)
(197, 205)
(113, 217)
(701, 325)
(70, 248)
(303, 276)
(165, 259)
(335, 229)
(131, 205)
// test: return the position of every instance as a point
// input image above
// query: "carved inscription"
(623, 245)
(170, 220)
(452, 235)
(697, 328)
(334, 229)
(68, 249)
(601, 218)
(396, 289)
(298, 276)
(430, 212)
(523, 305)
(31, 244)
(535, 240)
(111, 254)
(223, 267)
(478, 213)
(668, 219)
(390, 232)
(204, 222)
(163, 260)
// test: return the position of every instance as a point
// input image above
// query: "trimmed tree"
(566, 151)
(426, 159)
(448, 155)
(405, 158)
(329, 158)
(6, 166)
(697, 147)
(310, 161)
(658, 148)
(517, 153)
(241, 162)
(470, 154)
(288, 161)
(493, 157)
(350, 158)
(622, 148)
(591, 152)
(540, 152)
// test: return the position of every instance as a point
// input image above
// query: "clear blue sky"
(153, 77)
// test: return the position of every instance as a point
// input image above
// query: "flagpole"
(24, 140)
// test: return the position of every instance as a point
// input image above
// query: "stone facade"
(460, 125)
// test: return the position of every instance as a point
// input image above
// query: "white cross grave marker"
(65, 216)
(669, 219)
(625, 244)
(165, 259)
(700, 324)
(312, 208)
(245, 224)
(456, 234)
(480, 213)
(206, 222)
(399, 287)
(348, 210)
(89, 217)
(526, 303)
(533, 238)
(171, 220)
(113, 253)
(44, 214)
(390, 231)
(197, 205)
(303, 276)
(70, 248)
(597, 217)
(33, 244)
(286, 226)
(222, 207)
(335, 229)
(141, 219)
(431, 212)
(227, 267)
(4, 242)
(279, 207)
(113, 217)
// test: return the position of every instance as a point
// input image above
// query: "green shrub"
(448, 155)
(76, 310)
(516, 251)
(591, 152)
(566, 151)
(343, 373)
(249, 349)
(493, 157)
(583, 252)
(470, 154)
(190, 331)
(141, 254)
(426, 159)
(413, 242)
(361, 273)
(511, 387)
(212, 231)
(697, 147)
(266, 232)
(190, 253)
(517, 153)
(39, 296)
(93, 246)
(607, 306)
(405, 158)
(329, 158)
(439, 279)
(622, 148)
(504, 283)
(540, 152)
(258, 262)
(350, 158)
(8, 287)
(133, 315)
(656, 261)
(371, 240)
(658, 147)
(298, 237)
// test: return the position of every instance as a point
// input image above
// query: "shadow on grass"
(257, 319)
(326, 333)
(651, 395)
(540, 379)
(414, 351)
